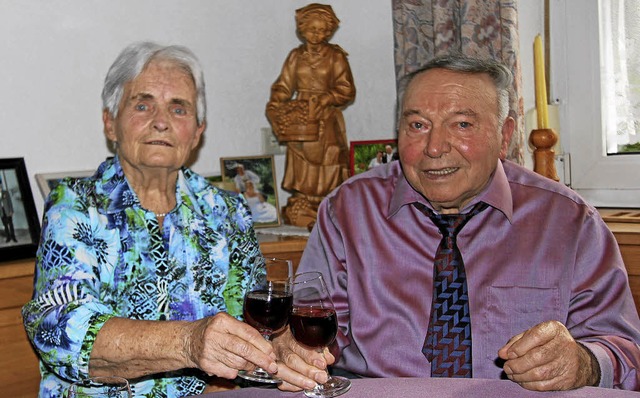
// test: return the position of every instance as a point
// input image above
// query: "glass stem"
(258, 369)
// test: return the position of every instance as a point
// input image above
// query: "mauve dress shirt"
(538, 253)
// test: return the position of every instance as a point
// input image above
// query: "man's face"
(450, 138)
(156, 126)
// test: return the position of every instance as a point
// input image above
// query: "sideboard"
(19, 374)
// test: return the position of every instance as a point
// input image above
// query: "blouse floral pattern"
(102, 255)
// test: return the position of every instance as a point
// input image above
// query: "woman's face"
(156, 127)
(315, 31)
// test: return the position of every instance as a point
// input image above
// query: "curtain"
(424, 29)
(620, 30)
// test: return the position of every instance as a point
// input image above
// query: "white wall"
(54, 56)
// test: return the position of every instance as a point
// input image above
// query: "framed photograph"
(216, 181)
(365, 155)
(46, 182)
(255, 178)
(20, 232)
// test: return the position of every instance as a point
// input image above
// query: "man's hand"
(300, 367)
(221, 345)
(546, 358)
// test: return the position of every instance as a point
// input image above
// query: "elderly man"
(537, 291)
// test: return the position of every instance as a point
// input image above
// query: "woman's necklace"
(160, 214)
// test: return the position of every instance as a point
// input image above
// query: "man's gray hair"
(499, 73)
(132, 61)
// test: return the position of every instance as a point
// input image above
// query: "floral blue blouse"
(103, 255)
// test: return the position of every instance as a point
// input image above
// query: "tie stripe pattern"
(448, 342)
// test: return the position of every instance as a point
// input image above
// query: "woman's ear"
(109, 126)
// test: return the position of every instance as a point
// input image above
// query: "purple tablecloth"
(427, 387)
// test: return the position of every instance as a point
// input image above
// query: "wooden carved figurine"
(305, 111)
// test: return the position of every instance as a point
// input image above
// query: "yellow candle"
(541, 85)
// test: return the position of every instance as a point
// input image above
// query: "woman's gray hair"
(132, 61)
(499, 73)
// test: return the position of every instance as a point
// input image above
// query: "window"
(620, 62)
(600, 172)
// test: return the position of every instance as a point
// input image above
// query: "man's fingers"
(537, 336)
(292, 380)
(299, 367)
(296, 360)
(505, 350)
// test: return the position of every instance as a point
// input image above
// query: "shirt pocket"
(514, 309)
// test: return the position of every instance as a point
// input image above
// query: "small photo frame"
(48, 181)
(255, 178)
(20, 227)
(364, 155)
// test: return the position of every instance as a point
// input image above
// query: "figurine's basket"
(293, 122)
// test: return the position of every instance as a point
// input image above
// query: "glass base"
(259, 375)
(335, 386)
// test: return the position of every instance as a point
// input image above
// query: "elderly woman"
(141, 268)
(316, 73)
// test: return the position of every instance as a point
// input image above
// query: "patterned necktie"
(448, 342)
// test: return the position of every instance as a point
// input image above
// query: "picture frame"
(362, 153)
(19, 226)
(255, 178)
(216, 181)
(48, 181)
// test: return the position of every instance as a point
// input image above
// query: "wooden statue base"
(300, 212)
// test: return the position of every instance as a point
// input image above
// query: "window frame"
(604, 181)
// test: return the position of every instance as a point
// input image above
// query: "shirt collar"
(496, 194)
(112, 182)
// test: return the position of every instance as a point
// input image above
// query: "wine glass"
(100, 387)
(314, 324)
(267, 304)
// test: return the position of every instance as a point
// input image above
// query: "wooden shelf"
(625, 225)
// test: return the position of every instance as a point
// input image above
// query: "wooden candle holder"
(543, 155)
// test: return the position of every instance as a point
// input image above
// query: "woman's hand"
(299, 367)
(221, 345)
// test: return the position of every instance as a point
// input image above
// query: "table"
(437, 387)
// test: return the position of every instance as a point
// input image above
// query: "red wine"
(313, 327)
(267, 312)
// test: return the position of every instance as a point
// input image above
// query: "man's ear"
(109, 126)
(508, 127)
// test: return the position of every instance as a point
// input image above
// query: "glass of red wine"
(267, 305)
(314, 324)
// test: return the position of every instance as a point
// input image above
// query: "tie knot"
(451, 224)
